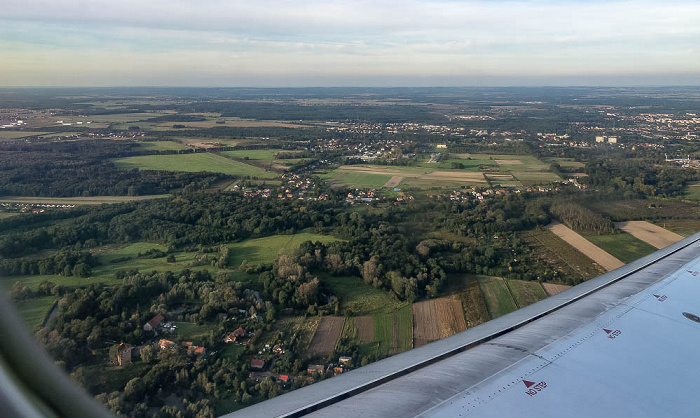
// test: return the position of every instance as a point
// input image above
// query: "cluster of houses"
(343, 365)
(294, 186)
(482, 194)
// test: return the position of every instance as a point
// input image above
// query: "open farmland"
(365, 328)
(553, 288)
(499, 300)
(365, 176)
(193, 163)
(526, 292)
(649, 233)
(394, 330)
(326, 337)
(561, 254)
(466, 287)
(359, 298)
(593, 252)
(437, 318)
(426, 327)
(624, 247)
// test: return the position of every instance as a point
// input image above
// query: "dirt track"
(650, 233)
(591, 251)
(394, 181)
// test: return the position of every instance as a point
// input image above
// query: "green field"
(193, 163)
(265, 250)
(624, 247)
(384, 330)
(470, 163)
(34, 311)
(692, 190)
(358, 298)
(254, 154)
(356, 180)
(685, 227)
(194, 332)
(161, 146)
(498, 299)
(17, 134)
(525, 292)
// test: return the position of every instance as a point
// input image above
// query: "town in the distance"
(187, 252)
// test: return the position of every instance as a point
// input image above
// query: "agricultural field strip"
(414, 172)
(326, 337)
(605, 260)
(552, 288)
(649, 233)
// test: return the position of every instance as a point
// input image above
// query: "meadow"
(526, 292)
(34, 311)
(498, 298)
(193, 163)
(624, 247)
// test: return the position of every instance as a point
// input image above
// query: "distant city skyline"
(346, 43)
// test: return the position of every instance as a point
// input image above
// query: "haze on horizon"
(349, 43)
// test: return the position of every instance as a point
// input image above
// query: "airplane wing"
(624, 343)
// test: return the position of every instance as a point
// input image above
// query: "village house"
(314, 368)
(166, 344)
(345, 360)
(124, 354)
(153, 323)
(257, 363)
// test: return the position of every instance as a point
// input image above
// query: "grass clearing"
(193, 163)
(692, 190)
(266, 250)
(34, 311)
(358, 298)
(194, 332)
(498, 298)
(624, 247)
(526, 292)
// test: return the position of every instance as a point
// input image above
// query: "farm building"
(124, 354)
(257, 363)
(153, 323)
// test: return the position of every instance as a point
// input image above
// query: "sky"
(348, 43)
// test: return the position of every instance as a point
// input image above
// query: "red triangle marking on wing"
(528, 383)
(607, 331)
(657, 296)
